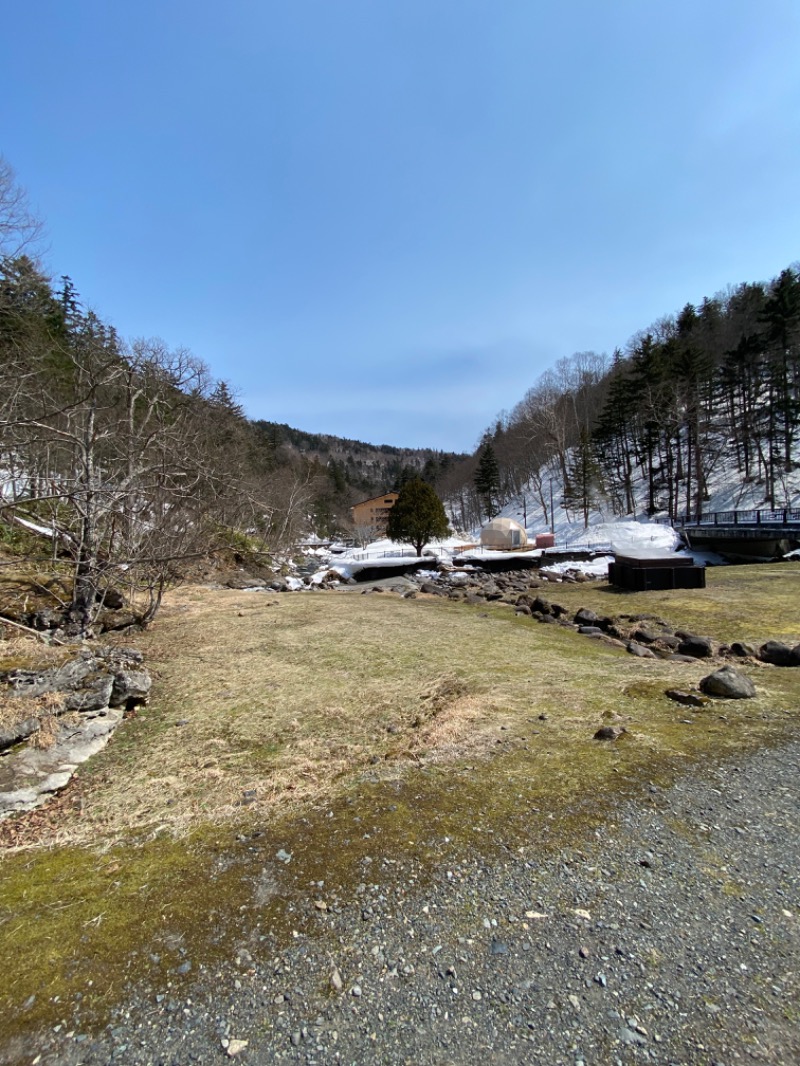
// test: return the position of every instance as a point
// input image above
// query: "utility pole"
(552, 514)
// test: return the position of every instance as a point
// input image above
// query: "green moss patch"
(346, 731)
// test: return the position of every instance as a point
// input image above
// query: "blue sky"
(384, 219)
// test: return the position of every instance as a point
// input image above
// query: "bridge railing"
(781, 516)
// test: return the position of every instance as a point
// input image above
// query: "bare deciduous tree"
(20, 229)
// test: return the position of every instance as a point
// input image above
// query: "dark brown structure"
(638, 571)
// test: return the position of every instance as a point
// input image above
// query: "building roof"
(372, 499)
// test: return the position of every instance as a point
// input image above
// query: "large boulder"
(728, 683)
(130, 688)
(93, 695)
(778, 654)
(696, 647)
(245, 581)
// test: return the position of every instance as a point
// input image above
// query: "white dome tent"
(502, 534)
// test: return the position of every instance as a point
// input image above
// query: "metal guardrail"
(769, 517)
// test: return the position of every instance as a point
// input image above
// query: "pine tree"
(487, 479)
(584, 479)
(417, 516)
(781, 317)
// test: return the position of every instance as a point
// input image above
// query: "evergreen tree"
(417, 516)
(781, 318)
(487, 478)
(583, 489)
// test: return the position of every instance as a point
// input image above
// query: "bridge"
(755, 533)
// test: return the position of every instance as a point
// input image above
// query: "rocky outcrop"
(65, 714)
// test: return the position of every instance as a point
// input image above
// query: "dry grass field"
(338, 725)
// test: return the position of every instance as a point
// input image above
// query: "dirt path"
(671, 936)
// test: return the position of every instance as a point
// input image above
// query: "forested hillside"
(131, 459)
(353, 466)
(711, 386)
(127, 453)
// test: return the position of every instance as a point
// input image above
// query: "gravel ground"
(672, 935)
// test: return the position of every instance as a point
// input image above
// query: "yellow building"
(374, 513)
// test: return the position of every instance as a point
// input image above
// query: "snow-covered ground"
(464, 549)
(605, 532)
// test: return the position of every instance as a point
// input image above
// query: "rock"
(32, 773)
(245, 581)
(108, 621)
(130, 688)
(696, 647)
(112, 598)
(65, 678)
(590, 631)
(644, 636)
(19, 731)
(689, 699)
(608, 732)
(639, 650)
(742, 650)
(728, 683)
(541, 606)
(585, 617)
(94, 696)
(337, 984)
(46, 618)
(628, 1036)
(235, 1047)
(777, 654)
(668, 640)
(459, 578)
